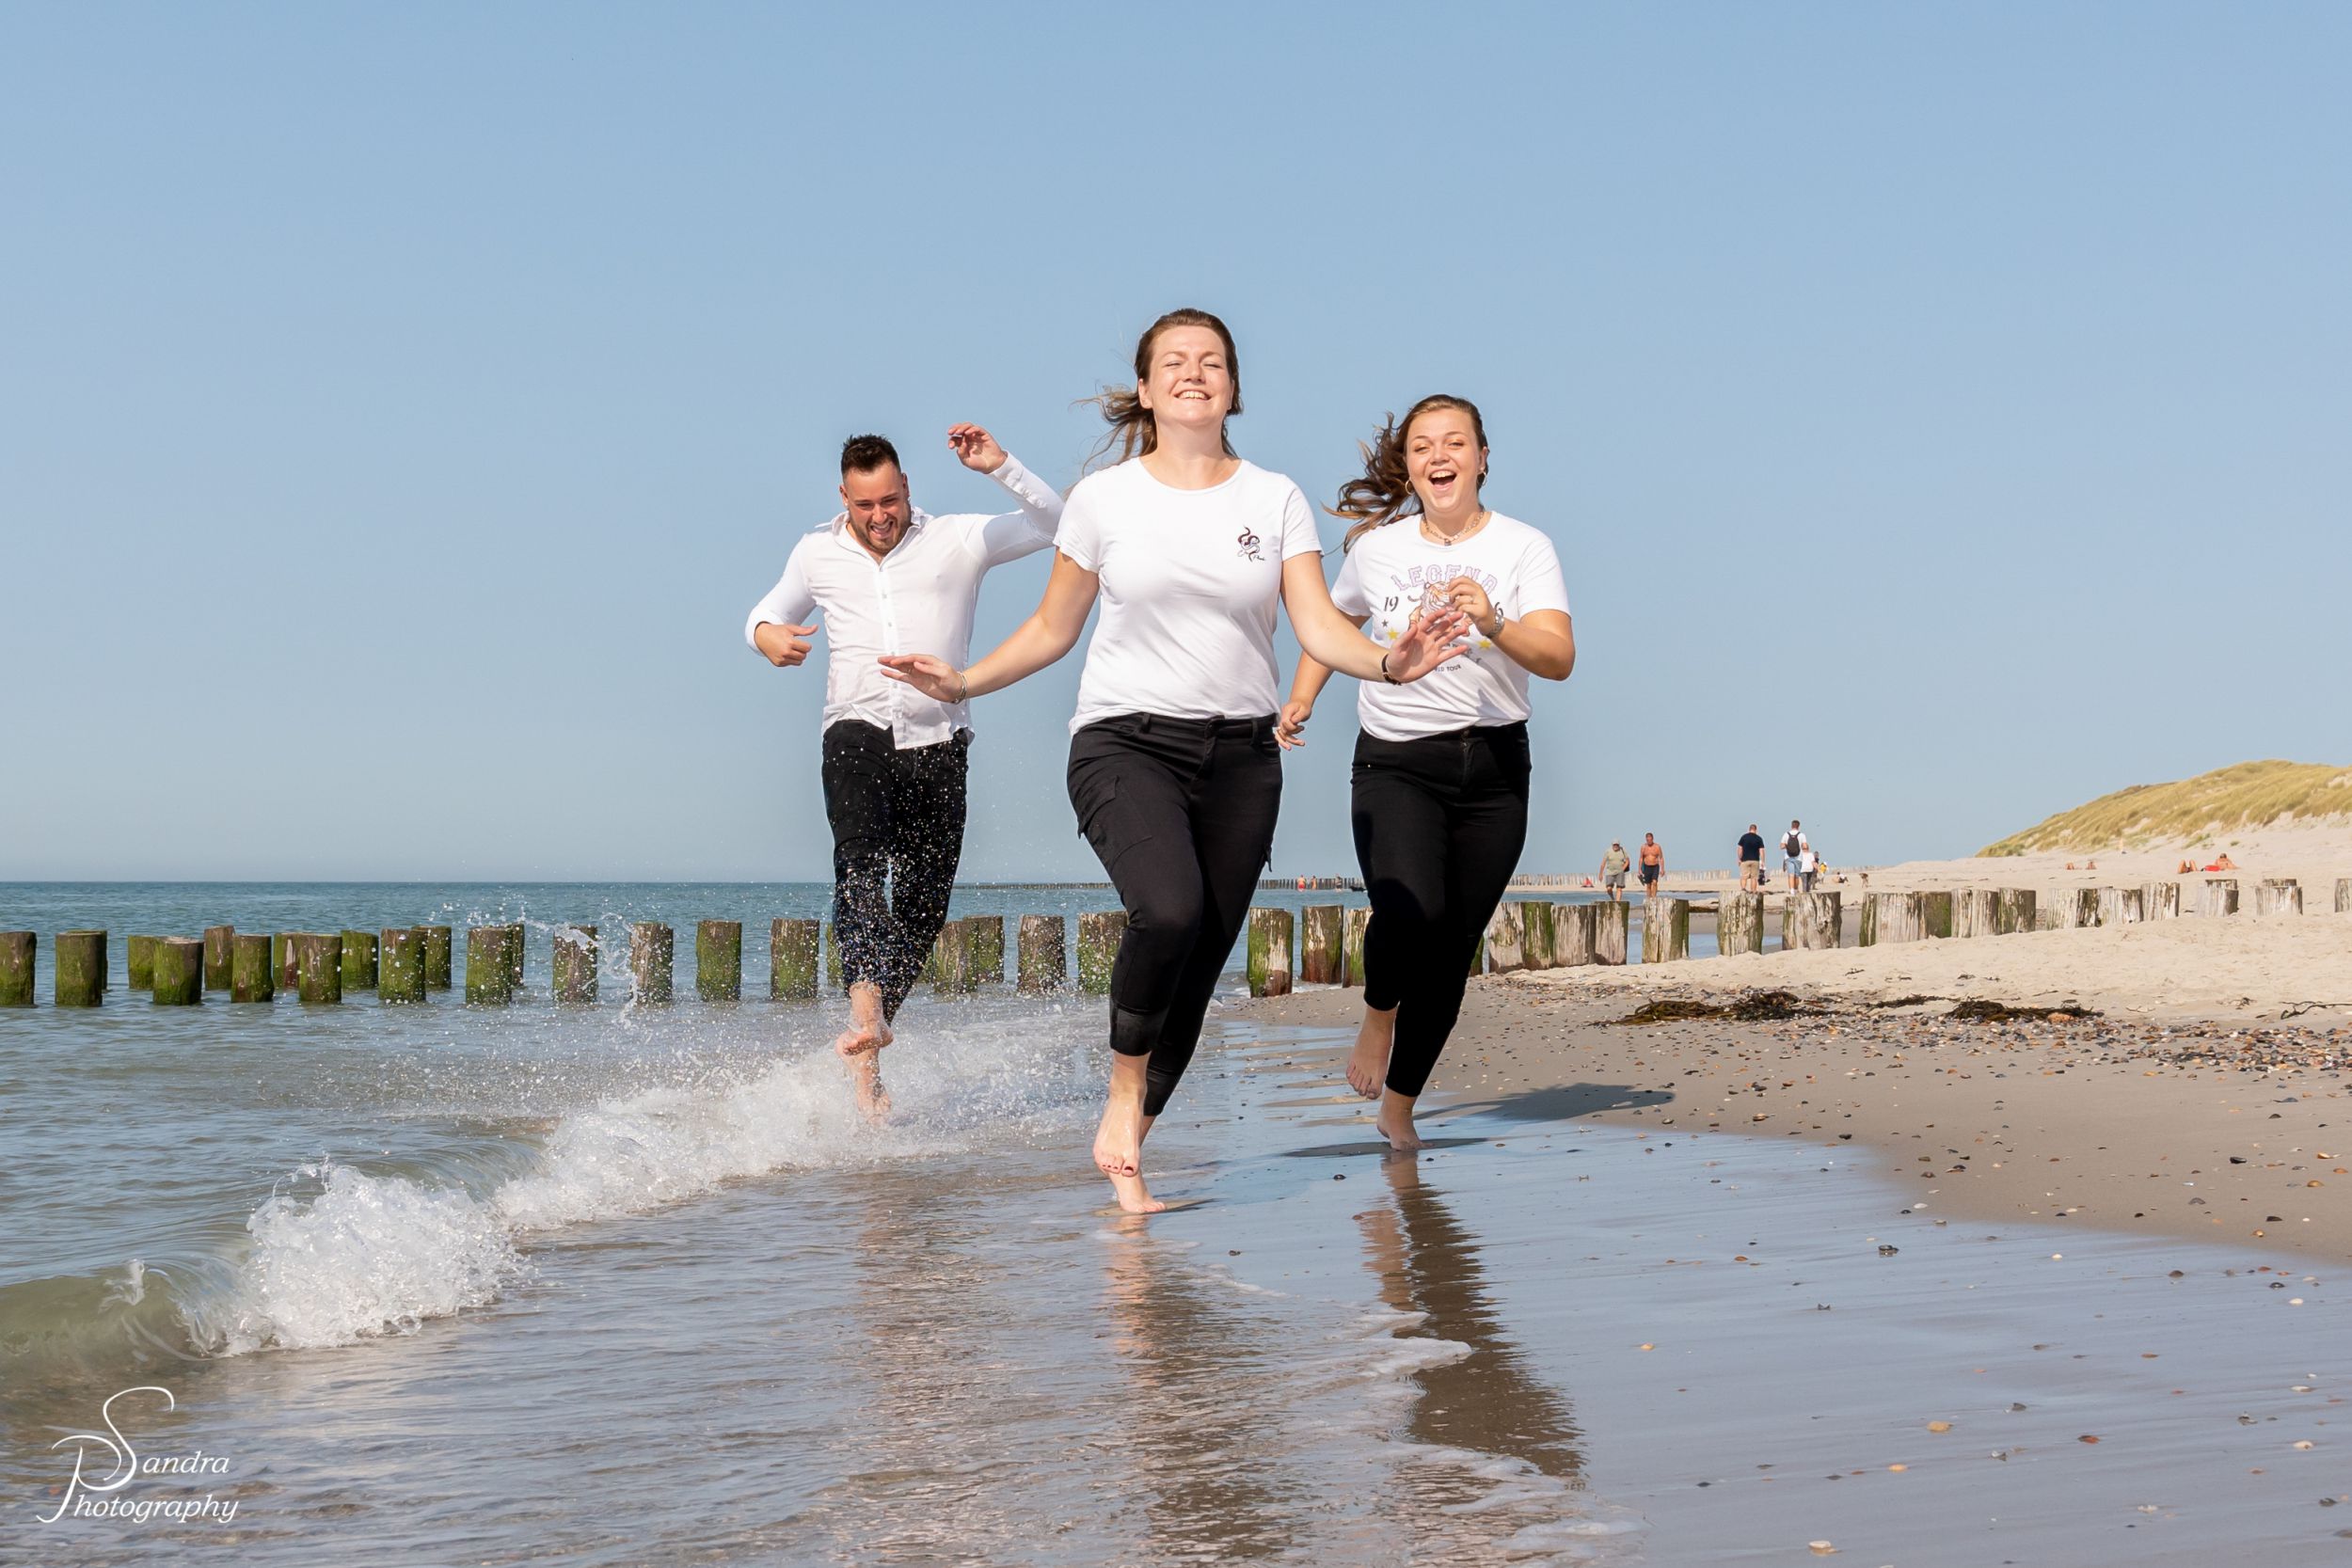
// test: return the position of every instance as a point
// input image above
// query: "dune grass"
(2248, 795)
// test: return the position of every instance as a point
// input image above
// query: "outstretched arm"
(1051, 631)
(1332, 640)
(1012, 534)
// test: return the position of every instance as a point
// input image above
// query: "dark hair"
(1385, 491)
(862, 454)
(1132, 428)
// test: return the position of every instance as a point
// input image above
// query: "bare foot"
(1368, 1064)
(866, 1077)
(866, 1030)
(1395, 1123)
(1119, 1141)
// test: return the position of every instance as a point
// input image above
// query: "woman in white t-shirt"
(1441, 767)
(1174, 770)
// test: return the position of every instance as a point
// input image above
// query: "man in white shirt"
(886, 579)
(1793, 846)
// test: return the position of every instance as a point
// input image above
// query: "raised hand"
(927, 673)
(785, 644)
(1291, 722)
(1465, 596)
(976, 449)
(1429, 641)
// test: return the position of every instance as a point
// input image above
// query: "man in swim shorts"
(1653, 864)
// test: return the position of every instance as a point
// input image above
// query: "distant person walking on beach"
(1613, 867)
(1174, 770)
(1808, 866)
(1792, 849)
(1653, 864)
(884, 575)
(1440, 774)
(1751, 860)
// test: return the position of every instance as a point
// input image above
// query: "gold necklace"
(1448, 542)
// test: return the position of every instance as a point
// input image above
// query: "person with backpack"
(1793, 846)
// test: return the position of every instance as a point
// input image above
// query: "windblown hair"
(1385, 491)
(862, 454)
(1132, 428)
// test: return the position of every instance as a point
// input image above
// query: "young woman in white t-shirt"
(1174, 770)
(1440, 775)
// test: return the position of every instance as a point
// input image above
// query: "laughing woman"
(1441, 769)
(1174, 770)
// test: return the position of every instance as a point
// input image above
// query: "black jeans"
(1440, 823)
(897, 833)
(1181, 812)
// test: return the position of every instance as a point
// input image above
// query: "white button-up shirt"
(918, 599)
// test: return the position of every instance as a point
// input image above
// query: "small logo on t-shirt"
(1249, 550)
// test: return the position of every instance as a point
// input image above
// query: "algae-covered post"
(400, 965)
(1740, 923)
(2016, 912)
(140, 953)
(250, 977)
(951, 967)
(518, 943)
(1612, 926)
(18, 952)
(1269, 955)
(318, 966)
(79, 963)
(179, 973)
(1321, 932)
(2220, 896)
(1352, 945)
(1506, 950)
(1575, 932)
(439, 948)
(220, 951)
(1935, 914)
(984, 939)
(1098, 933)
(1666, 929)
(1044, 953)
(718, 961)
(489, 972)
(573, 971)
(2279, 896)
(832, 955)
(1539, 938)
(652, 948)
(792, 961)
(361, 960)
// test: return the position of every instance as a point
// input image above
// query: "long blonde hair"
(1132, 428)
(1384, 492)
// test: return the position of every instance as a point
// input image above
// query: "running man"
(1653, 864)
(886, 576)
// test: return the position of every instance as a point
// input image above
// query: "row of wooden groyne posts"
(406, 965)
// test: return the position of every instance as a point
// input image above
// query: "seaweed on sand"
(1977, 1010)
(1757, 1006)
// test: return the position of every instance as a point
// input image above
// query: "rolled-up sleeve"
(787, 603)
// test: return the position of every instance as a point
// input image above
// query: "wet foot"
(1368, 1064)
(867, 1030)
(1118, 1154)
(865, 1078)
(1395, 1123)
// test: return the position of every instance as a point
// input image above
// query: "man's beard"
(865, 537)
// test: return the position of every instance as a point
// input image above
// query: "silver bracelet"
(963, 683)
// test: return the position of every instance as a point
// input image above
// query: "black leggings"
(1440, 823)
(1181, 812)
(897, 833)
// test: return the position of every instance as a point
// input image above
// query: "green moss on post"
(1359, 926)
(219, 954)
(718, 961)
(1538, 937)
(19, 953)
(140, 954)
(833, 957)
(953, 971)
(489, 971)
(1935, 915)
(1044, 964)
(250, 977)
(1270, 960)
(399, 972)
(80, 965)
(1506, 939)
(1100, 932)
(986, 935)
(179, 972)
(359, 960)
(318, 957)
(2014, 911)
(652, 949)
(517, 948)
(573, 967)
(438, 944)
(1321, 934)
(792, 961)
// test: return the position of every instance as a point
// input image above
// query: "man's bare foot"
(866, 1077)
(1395, 1123)
(1368, 1064)
(867, 1031)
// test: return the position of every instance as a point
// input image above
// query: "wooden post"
(489, 972)
(219, 953)
(2160, 901)
(984, 939)
(1270, 960)
(1972, 911)
(1891, 917)
(517, 944)
(179, 972)
(2119, 906)
(952, 970)
(250, 977)
(437, 957)
(1666, 929)
(281, 961)
(400, 965)
(361, 966)
(572, 972)
(2281, 896)
(2015, 912)
(1811, 921)
(652, 947)
(1478, 956)
(792, 961)
(2220, 896)
(318, 966)
(79, 960)
(1739, 923)
(2343, 895)
(832, 955)
(718, 961)
(1044, 953)
(1358, 926)
(1612, 923)
(19, 951)
(1539, 938)
(1935, 915)
(1575, 929)
(1100, 932)
(140, 953)
(1507, 944)
(1322, 935)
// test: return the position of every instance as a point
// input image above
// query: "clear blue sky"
(1941, 412)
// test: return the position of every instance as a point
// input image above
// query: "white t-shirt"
(1383, 576)
(1190, 579)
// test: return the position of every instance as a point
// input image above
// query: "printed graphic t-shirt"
(1383, 576)
(1189, 582)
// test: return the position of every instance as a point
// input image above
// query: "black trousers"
(897, 833)
(1440, 823)
(1181, 812)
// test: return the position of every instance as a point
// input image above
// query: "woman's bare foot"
(1119, 1141)
(868, 1032)
(866, 1077)
(1368, 1064)
(1395, 1122)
